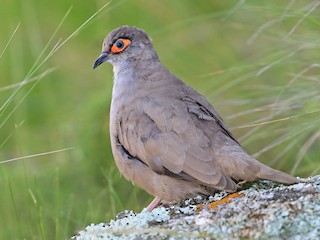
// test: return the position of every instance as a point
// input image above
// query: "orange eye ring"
(120, 45)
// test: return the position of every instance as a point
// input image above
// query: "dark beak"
(101, 59)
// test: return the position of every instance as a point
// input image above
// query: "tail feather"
(241, 166)
(275, 175)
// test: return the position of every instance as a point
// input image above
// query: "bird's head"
(125, 44)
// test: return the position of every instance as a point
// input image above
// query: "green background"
(256, 61)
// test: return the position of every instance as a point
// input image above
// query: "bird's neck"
(139, 78)
(132, 74)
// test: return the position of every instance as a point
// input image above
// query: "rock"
(264, 210)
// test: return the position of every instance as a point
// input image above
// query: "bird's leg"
(240, 184)
(155, 203)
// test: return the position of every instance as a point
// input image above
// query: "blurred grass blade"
(304, 149)
(311, 9)
(279, 120)
(36, 155)
(10, 134)
(17, 105)
(10, 39)
(281, 140)
(270, 23)
(35, 66)
(78, 29)
(26, 81)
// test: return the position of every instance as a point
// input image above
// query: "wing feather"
(168, 139)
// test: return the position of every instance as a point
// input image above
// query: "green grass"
(256, 61)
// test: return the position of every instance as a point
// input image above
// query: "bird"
(165, 136)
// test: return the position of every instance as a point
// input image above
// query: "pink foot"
(155, 203)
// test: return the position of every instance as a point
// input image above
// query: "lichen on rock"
(264, 210)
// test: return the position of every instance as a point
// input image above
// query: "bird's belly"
(167, 188)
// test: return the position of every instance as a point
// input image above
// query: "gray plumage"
(165, 136)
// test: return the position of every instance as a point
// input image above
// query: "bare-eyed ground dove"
(165, 136)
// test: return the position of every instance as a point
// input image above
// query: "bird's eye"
(120, 45)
